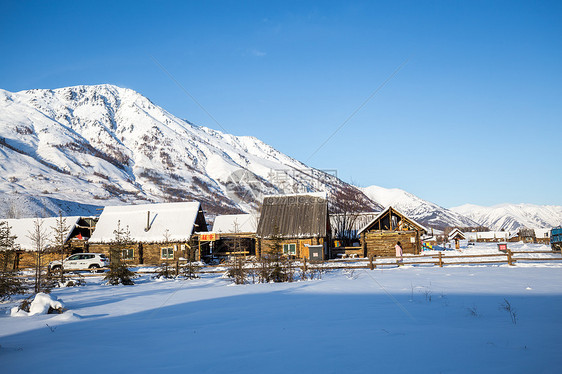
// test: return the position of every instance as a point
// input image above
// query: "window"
(128, 254)
(289, 249)
(167, 253)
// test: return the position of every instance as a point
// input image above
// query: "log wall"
(381, 243)
(302, 249)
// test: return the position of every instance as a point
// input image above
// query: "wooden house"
(26, 247)
(298, 222)
(456, 235)
(527, 235)
(379, 236)
(492, 236)
(542, 236)
(157, 232)
(233, 234)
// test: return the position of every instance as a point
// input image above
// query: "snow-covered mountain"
(105, 145)
(423, 211)
(511, 217)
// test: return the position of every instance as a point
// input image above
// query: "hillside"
(425, 212)
(105, 145)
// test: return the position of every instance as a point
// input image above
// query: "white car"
(81, 261)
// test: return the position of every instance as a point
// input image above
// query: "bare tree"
(60, 233)
(38, 237)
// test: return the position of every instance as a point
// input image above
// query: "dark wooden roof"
(391, 219)
(294, 216)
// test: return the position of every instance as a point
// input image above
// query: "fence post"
(371, 265)
(440, 259)
(177, 268)
(509, 259)
(304, 265)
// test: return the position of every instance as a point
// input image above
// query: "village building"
(542, 236)
(157, 232)
(380, 235)
(232, 235)
(456, 235)
(345, 233)
(26, 247)
(492, 236)
(298, 222)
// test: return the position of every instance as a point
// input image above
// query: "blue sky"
(473, 116)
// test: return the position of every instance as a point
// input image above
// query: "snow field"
(408, 319)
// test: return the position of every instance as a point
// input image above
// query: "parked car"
(81, 261)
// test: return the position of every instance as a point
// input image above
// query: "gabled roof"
(167, 222)
(22, 228)
(392, 210)
(456, 232)
(236, 223)
(294, 216)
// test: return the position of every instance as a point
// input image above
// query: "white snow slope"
(106, 145)
(396, 320)
(423, 211)
(511, 217)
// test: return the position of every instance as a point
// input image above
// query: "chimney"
(147, 221)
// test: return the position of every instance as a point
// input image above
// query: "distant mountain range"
(511, 217)
(81, 148)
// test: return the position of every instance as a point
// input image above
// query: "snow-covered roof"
(397, 211)
(542, 233)
(232, 223)
(456, 232)
(166, 222)
(23, 228)
(491, 235)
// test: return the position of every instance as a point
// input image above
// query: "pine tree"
(119, 272)
(275, 254)
(9, 283)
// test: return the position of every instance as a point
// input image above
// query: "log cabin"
(298, 222)
(26, 247)
(157, 232)
(234, 234)
(379, 236)
(456, 235)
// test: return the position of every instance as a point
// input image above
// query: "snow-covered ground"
(407, 319)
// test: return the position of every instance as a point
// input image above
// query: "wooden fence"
(509, 257)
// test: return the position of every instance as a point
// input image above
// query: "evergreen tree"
(119, 272)
(9, 283)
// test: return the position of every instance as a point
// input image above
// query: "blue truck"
(556, 238)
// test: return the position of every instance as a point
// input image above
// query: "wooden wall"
(302, 249)
(381, 243)
(147, 254)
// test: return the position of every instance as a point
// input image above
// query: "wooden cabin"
(157, 232)
(527, 235)
(379, 236)
(26, 248)
(299, 222)
(234, 234)
(456, 235)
